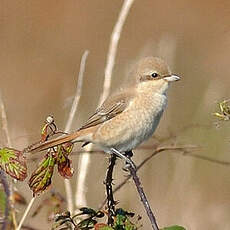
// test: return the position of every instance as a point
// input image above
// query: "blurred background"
(41, 45)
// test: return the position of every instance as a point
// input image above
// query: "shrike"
(128, 117)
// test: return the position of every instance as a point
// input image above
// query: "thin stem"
(115, 37)
(4, 122)
(225, 163)
(6, 188)
(80, 187)
(80, 195)
(109, 189)
(143, 197)
(68, 188)
(78, 92)
(182, 149)
(26, 213)
(9, 144)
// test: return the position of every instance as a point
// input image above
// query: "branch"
(143, 197)
(115, 36)
(78, 92)
(5, 130)
(133, 169)
(181, 150)
(225, 163)
(68, 189)
(109, 189)
(26, 213)
(156, 151)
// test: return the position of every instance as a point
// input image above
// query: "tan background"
(41, 43)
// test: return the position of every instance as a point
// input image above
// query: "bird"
(130, 115)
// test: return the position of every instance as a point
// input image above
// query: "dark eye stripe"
(151, 77)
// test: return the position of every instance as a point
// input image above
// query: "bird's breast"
(134, 125)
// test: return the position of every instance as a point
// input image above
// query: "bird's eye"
(154, 75)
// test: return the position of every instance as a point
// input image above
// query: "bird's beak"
(172, 77)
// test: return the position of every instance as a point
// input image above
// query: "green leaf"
(88, 211)
(13, 163)
(129, 225)
(42, 176)
(122, 220)
(87, 224)
(105, 228)
(174, 227)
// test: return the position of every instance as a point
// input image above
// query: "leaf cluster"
(93, 220)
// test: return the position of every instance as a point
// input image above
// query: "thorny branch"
(109, 189)
(184, 150)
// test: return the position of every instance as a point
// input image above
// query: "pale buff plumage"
(128, 117)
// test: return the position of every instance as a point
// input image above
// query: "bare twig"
(115, 36)
(182, 149)
(26, 213)
(109, 189)
(143, 197)
(68, 189)
(78, 92)
(178, 150)
(133, 171)
(4, 122)
(9, 144)
(80, 195)
(221, 162)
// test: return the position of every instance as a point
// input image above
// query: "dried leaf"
(13, 163)
(64, 168)
(64, 163)
(41, 177)
(48, 129)
(66, 148)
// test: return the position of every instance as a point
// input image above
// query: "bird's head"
(154, 72)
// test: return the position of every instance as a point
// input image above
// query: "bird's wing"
(113, 106)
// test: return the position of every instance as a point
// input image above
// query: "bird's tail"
(79, 136)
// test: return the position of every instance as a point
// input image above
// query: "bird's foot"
(127, 157)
